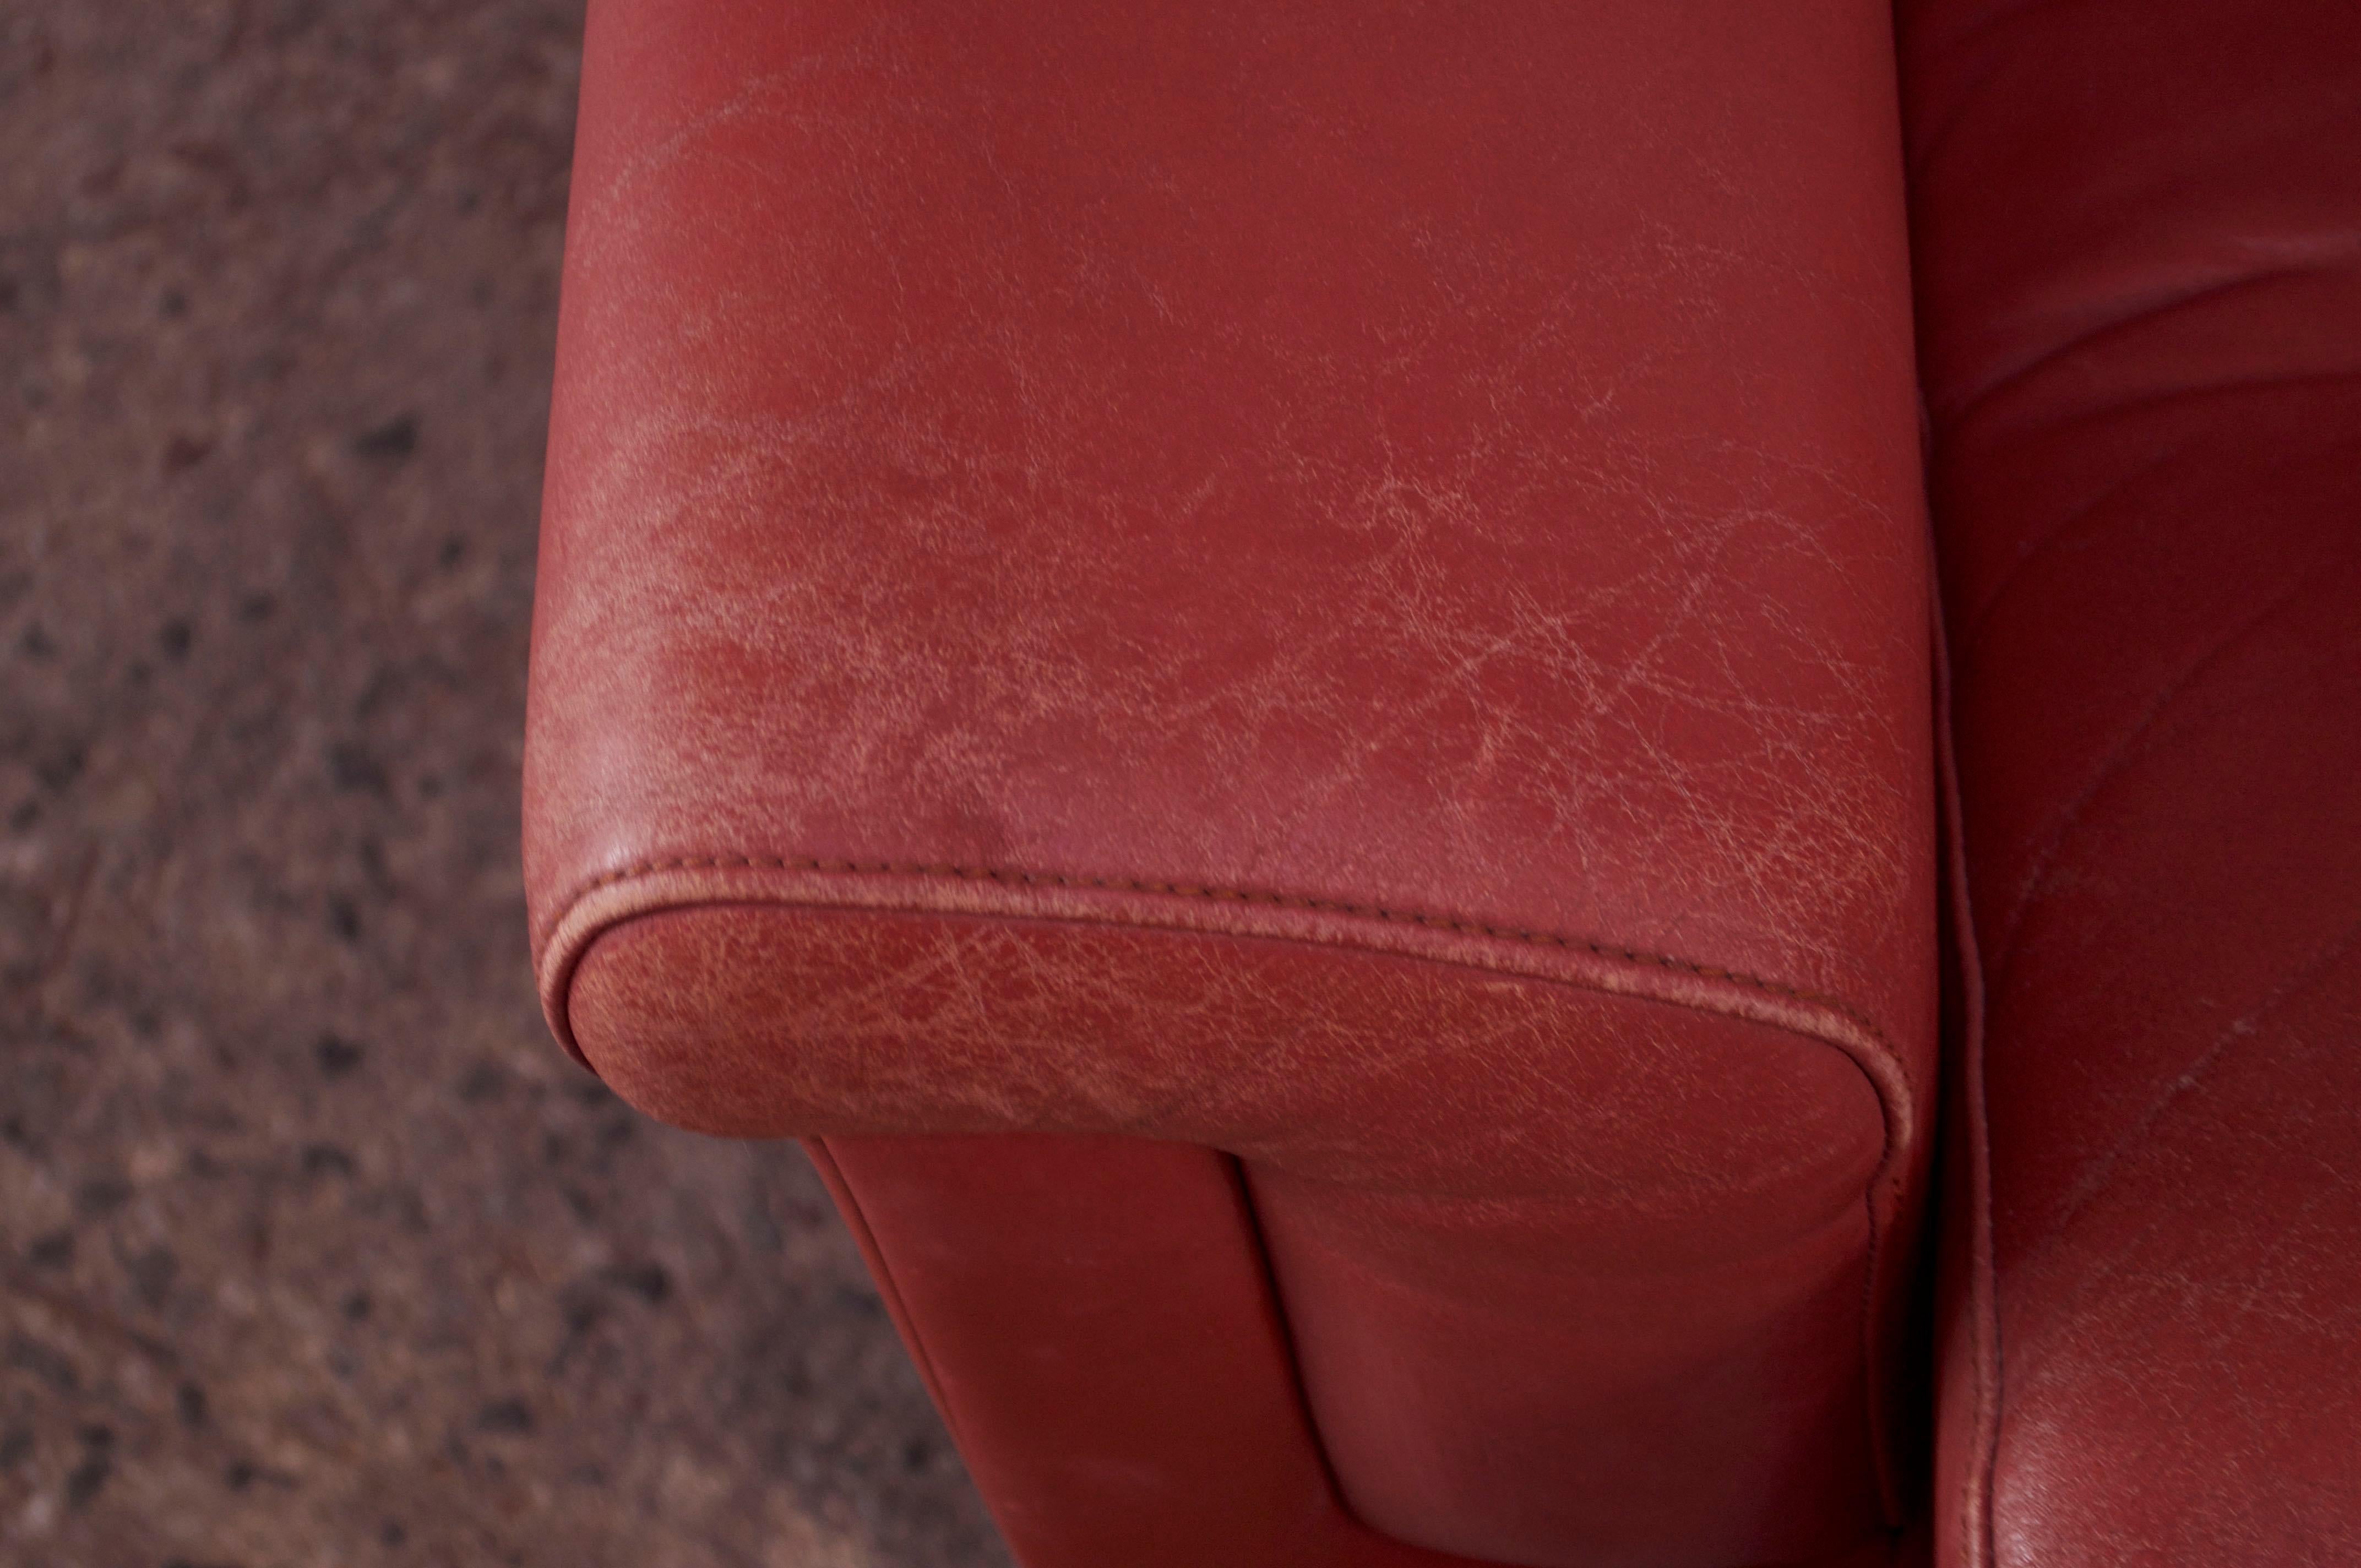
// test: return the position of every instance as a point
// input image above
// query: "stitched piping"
(1226, 896)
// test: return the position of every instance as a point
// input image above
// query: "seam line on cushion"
(1895, 1116)
(1226, 896)
(1976, 1490)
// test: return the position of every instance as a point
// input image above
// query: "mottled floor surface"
(313, 1249)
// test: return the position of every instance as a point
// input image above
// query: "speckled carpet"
(313, 1250)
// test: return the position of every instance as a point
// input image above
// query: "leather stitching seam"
(1228, 895)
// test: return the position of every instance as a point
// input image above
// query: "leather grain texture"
(2138, 229)
(1341, 586)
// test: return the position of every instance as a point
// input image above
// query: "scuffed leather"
(1476, 1226)
(2140, 292)
(1341, 585)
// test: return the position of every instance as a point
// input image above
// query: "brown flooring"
(313, 1248)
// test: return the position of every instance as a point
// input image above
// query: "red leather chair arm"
(1338, 590)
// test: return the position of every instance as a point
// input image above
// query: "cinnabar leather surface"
(2136, 231)
(1489, 1265)
(1338, 592)
(1197, 1451)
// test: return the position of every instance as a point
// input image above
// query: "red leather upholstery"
(1299, 632)
(2140, 287)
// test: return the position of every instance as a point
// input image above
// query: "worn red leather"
(2138, 233)
(1300, 633)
